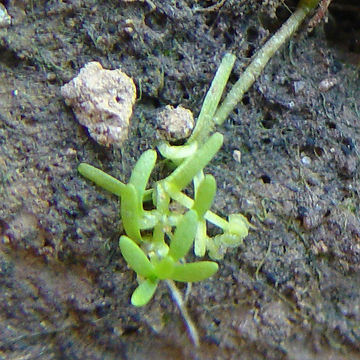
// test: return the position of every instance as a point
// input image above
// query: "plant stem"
(262, 57)
(176, 295)
(187, 202)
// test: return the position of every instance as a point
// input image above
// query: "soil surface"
(292, 291)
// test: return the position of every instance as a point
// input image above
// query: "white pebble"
(5, 18)
(102, 101)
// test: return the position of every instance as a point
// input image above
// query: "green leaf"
(164, 268)
(131, 212)
(135, 257)
(176, 152)
(141, 172)
(183, 237)
(144, 292)
(200, 239)
(238, 225)
(215, 249)
(101, 179)
(227, 239)
(161, 199)
(187, 170)
(205, 121)
(204, 196)
(196, 271)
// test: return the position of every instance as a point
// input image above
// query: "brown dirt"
(292, 291)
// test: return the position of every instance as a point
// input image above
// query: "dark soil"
(292, 291)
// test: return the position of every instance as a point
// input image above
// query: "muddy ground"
(292, 291)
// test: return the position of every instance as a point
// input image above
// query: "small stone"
(298, 87)
(5, 18)
(51, 76)
(327, 84)
(102, 101)
(306, 160)
(237, 156)
(175, 123)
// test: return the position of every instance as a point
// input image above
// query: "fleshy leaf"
(176, 152)
(164, 268)
(141, 172)
(238, 225)
(228, 240)
(200, 239)
(131, 212)
(136, 258)
(144, 292)
(204, 196)
(205, 121)
(184, 235)
(215, 249)
(101, 179)
(196, 271)
(161, 199)
(186, 171)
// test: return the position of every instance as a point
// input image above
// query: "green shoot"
(204, 196)
(177, 222)
(261, 58)
(204, 124)
(141, 172)
(177, 152)
(166, 266)
(184, 235)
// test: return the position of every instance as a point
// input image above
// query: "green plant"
(158, 240)
(151, 247)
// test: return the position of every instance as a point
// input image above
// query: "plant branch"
(262, 57)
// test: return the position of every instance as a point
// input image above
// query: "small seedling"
(158, 240)
(169, 266)
(160, 256)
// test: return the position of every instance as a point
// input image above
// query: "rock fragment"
(102, 101)
(5, 18)
(175, 123)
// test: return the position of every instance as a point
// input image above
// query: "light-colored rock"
(5, 18)
(175, 123)
(102, 101)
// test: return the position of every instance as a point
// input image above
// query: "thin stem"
(177, 297)
(187, 202)
(262, 57)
